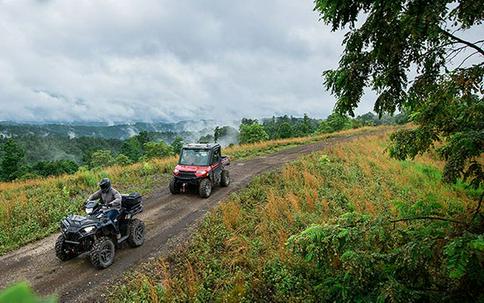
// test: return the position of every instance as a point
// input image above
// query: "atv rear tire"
(174, 188)
(136, 230)
(225, 178)
(102, 253)
(205, 188)
(61, 250)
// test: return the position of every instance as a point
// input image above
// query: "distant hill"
(77, 141)
(188, 129)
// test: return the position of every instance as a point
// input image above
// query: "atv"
(97, 235)
(201, 166)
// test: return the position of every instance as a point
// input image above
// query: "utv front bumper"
(187, 177)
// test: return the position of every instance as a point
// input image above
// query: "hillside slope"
(166, 216)
(32, 209)
(345, 224)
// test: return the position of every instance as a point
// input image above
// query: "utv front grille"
(186, 175)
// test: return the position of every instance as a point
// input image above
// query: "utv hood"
(190, 168)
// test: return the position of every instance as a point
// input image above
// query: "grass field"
(32, 209)
(341, 225)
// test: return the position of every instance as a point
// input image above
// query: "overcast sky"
(156, 60)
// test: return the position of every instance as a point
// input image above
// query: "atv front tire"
(174, 188)
(61, 250)
(205, 188)
(225, 178)
(102, 253)
(136, 230)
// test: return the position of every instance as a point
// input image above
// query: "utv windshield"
(195, 157)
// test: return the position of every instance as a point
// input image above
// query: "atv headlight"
(89, 229)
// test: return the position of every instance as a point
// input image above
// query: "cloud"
(163, 60)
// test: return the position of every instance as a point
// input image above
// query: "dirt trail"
(166, 217)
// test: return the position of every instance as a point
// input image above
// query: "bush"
(21, 292)
(122, 160)
(101, 158)
(250, 133)
(177, 145)
(55, 168)
(157, 149)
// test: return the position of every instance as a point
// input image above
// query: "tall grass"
(240, 254)
(31, 209)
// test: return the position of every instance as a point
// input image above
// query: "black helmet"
(105, 185)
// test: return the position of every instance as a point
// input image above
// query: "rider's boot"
(116, 229)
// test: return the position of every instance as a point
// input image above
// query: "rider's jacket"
(112, 198)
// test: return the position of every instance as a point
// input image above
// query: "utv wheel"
(174, 188)
(205, 188)
(225, 178)
(102, 253)
(61, 250)
(136, 233)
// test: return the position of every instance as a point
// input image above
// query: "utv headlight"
(201, 173)
(89, 229)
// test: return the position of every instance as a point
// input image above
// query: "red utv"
(201, 166)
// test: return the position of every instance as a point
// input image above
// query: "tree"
(270, 126)
(12, 162)
(339, 122)
(226, 135)
(208, 138)
(54, 168)
(397, 39)
(216, 134)
(368, 119)
(122, 159)
(132, 149)
(143, 137)
(177, 145)
(248, 121)
(335, 122)
(305, 127)
(157, 149)
(285, 130)
(250, 133)
(101, 158)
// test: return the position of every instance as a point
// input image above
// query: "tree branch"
(463, 61)
(478, 208)
(428, 218)
(480, 50)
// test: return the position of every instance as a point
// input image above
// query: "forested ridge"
(44, 150)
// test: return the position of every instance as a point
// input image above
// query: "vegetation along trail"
(167, 217)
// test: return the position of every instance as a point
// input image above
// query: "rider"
(110, 198)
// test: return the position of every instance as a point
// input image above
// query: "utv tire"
(102, 253)
(174, 188)
(136, 230)
(205, 188)
(225, 178)
(60, 249)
